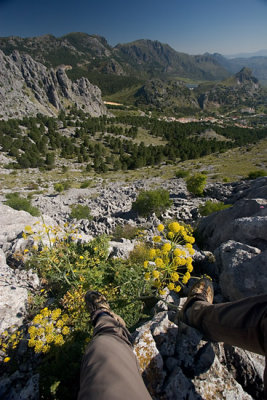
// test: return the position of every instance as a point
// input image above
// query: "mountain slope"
(240, 90)
(92, 53)
(27, 87)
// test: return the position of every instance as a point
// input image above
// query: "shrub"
(85, 184)
(152, 201)
(257, 174)
(21, 203)
(196, 184)
(181, 173)
(210, 207)
(127, 231)
(78, 211)
(58, 187)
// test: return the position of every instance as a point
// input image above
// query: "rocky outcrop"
(175, 360)
(177, 363)
(28, 87)
(14, 287)
(238, 236)
(242, 89)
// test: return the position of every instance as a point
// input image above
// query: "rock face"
(238, 235)
(178, 364)
(242, 270)
(27, 87)
(14, 286)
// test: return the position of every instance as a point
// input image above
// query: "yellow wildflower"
(175, 277)
(31, 342)
(160, 227)
(46, 348)
(38, 346)
(170, 235)
(56, 313)
(28, 229)
(174, 227)
(177, 252)
(147, 276)
(156, 283)
(191, 239)
(65, 318)
(171, 286)
(37, 319)
(81, 257)
(32, 330)
(59, 340)
(59, 323)
(40, 331)
(49, 338)
(155, 273)
(190, 267)
(177, 288)
(6, 359)
(166, 247)
(49, 328)
(145, 264)
(65, 330)
(26, 251)
(156, 239)
(159, 262)
(152, 253)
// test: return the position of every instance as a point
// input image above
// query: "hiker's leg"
(241, 323)
(109, 369)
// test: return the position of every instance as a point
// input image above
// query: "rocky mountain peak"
(27, 87)
(245, 76)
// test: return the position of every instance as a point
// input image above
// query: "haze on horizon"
(192, 26)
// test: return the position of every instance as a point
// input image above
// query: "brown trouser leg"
(109, 369)
(241, 323)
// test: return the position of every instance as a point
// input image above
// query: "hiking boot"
(202, 290)
(97, 305)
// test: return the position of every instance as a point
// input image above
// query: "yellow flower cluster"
(47, 328)
(73, 302)
(170, 262)
(9, 340)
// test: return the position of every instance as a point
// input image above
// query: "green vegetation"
(127, 231)
(58, 325)
(152, 201)
(124, 142)
(78, 211)
(257, 174)
(210, 207)
(14, 200)
(181, 173)
(85, 184)
(60, 187)
(196, 184)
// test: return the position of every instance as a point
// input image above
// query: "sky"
(190, 26)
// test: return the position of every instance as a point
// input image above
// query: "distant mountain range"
(152, 73)
(259, 53)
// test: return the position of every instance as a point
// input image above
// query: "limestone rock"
(121, 249)
(243, 270)
(150, 360)
(217, 383)
(164, 332)
(27, 87)
(224, 225)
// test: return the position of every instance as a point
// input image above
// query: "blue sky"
(191, 26)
